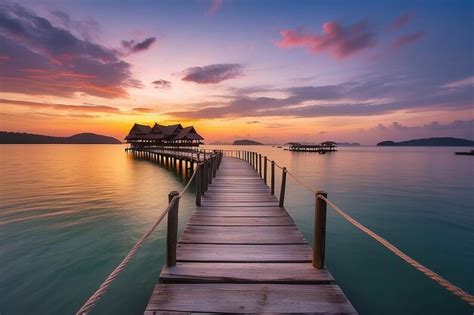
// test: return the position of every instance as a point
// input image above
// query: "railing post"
(211, 165)
(319, 232)
(260, 165)
(283, 187)
(198, 185)
(272, 178)
(265, 170)
(172, 230)
(202, 177)
(205, 177)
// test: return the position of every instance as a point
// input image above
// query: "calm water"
(70, 213)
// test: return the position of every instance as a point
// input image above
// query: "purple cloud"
(87, 29)
(132, 46)
(212, 74)
(398, 132)
(335, 39)
(43, 59)
(215, 6)
(162, 84)
(400, 21)
(408, 39)
(377, 96)
(63, 107)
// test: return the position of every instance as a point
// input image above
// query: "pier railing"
(256, 160)
(202, 174)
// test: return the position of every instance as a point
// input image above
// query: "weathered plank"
(245, 273)
(243, 203)
(235, 212)
(240, 221)
(244, 253)
(242, 235)
(249, 298)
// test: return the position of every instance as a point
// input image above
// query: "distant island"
(430, 142)
(81, 138)
(246, 142)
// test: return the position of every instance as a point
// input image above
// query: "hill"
(246, 142)
(28, 138)
(430, 142)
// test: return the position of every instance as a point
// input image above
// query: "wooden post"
(198, 185)
(216, 165)
(260, 165)
(272, 178)
(265, 170)
(319, 232)
(283, 187)
(204, 187)
(172, 230)
(211, 166)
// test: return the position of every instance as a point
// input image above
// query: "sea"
(70, 213)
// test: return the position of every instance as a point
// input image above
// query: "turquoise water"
(70, 213)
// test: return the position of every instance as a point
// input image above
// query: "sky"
(273, 71)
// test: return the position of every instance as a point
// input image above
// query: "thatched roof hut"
(163, 135)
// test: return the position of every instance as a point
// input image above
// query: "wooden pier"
(241, 252)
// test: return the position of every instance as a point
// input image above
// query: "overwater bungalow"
(324, 147)
(163, 136)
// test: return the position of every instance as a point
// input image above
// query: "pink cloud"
(215, 6)
(400, 21)
(335, 39)
(407, 39)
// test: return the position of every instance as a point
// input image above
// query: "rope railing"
(173, 204)
(254, 159)
(423, 269)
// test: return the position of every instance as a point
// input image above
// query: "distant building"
(323, 147)
(175, 136)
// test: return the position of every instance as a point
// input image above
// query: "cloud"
(254, 122)
(132, 46)
(215, 6)
(375, 96)
(143, 110)
(469, 81)
(62, 107)
(407, 39)
(397, 131)
(338, 41)
(212, 74)
(87, 29)
(400, 21)
(162, 84)
(44, 59)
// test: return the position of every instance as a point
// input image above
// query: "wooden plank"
(233, 212)
(208, 203)
(244, 253)
(245, 273)
(240, 221)
(208, 234)
(241, 208)
(249, 298)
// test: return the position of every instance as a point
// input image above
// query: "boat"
(465, 153)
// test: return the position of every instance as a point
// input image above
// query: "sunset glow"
(270, 71)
